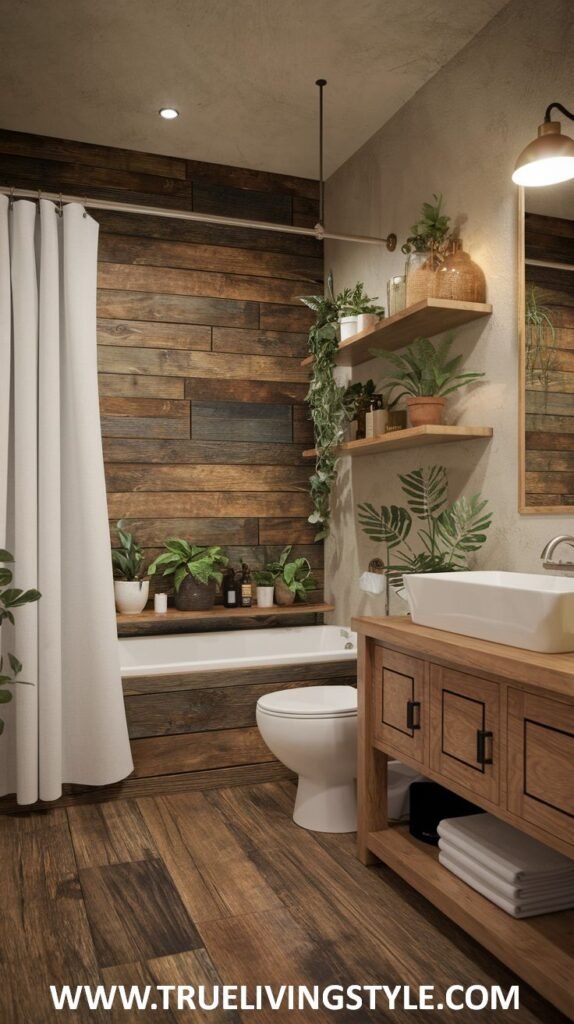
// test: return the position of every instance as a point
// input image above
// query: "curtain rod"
(317, 232)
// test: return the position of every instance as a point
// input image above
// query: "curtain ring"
(84, 201)
(60, 206)
(11, 198)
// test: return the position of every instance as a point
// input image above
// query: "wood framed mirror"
(546, 333)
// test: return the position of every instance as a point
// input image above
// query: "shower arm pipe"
(317, 232)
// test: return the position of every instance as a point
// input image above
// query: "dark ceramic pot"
(195, 597)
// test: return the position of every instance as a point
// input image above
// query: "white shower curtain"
(70, 725)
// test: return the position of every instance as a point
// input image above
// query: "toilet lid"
(311, 702)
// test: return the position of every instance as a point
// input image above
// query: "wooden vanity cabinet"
(465, 743)
(541, 762)
(495, 725)
(400, 695)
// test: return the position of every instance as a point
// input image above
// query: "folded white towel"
(510, 854)
(514, 909)
(561, 888)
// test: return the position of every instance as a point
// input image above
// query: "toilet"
(313, 731)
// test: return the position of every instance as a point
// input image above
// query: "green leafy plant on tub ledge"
(11, 598)
(131, 590)
(292, 579)
(196, 572)
(448, 535)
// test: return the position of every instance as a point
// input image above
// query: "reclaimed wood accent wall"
(200, 335)
(549, 400)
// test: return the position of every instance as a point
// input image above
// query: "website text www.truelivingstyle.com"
(204, 998)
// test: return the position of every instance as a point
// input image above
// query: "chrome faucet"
(550, 548)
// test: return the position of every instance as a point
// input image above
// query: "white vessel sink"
(523, 610)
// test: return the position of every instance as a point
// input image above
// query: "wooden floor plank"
(235, 893)
(194, 968)
(195, 840)
(110, 833)
(129, 975)
(268, 949)
(135, 912)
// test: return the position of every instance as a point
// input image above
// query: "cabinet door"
(399, 695)
(541, 762)
(465, 734)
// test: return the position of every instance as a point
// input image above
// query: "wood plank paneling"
(117, 304)
(241, 421)
(271, 391)
(200, 337)
(167, 362)
(203, 452)
(170, 281)
(198, 710)
(226, 748)
(127, 249)
(42, 147)
(264, 343)
(152, 532)
(245, 203)
(202, 233)
(135, 385)
(549, 395)
(139, 334)
(216, 504)
(135, 477)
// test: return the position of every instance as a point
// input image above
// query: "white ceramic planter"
(366, 322)
(265, 597)
(348, 327)
(131, 596)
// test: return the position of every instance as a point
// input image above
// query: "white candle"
(160, 603)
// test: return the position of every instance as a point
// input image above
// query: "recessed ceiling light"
(169, 113)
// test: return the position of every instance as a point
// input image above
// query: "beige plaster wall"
(460, 135)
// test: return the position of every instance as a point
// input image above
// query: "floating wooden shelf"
(175, 617)
(540, 948)
(413, 437)
(427, 318)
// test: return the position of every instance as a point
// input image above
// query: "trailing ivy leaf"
(5, 696)
(5, 556)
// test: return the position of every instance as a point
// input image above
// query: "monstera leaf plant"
(447, 535)
(10, 598)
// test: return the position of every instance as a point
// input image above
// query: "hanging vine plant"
(326, 400)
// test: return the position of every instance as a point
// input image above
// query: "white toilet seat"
(310, 702)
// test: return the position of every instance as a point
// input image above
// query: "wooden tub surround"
(494, 724)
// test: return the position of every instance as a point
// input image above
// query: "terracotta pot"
(195, 597)
(425, 411)
(283, 595)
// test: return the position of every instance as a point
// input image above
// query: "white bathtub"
(192, 652)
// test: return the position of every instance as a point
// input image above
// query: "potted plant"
(196, 573)
(325, 398)
(357, 401)
(264, 587)
(292, 579)
(426, 375)
(130, 589)
(357, 311)
(425, 249)
(449, 532)
(10, 597)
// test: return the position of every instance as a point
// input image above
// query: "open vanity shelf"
(425, 695)
(426, 318)
(413, 437)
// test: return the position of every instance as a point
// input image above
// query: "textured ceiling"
(241, 72)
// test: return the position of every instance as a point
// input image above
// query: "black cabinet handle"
(412, 706)
(482, 735)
